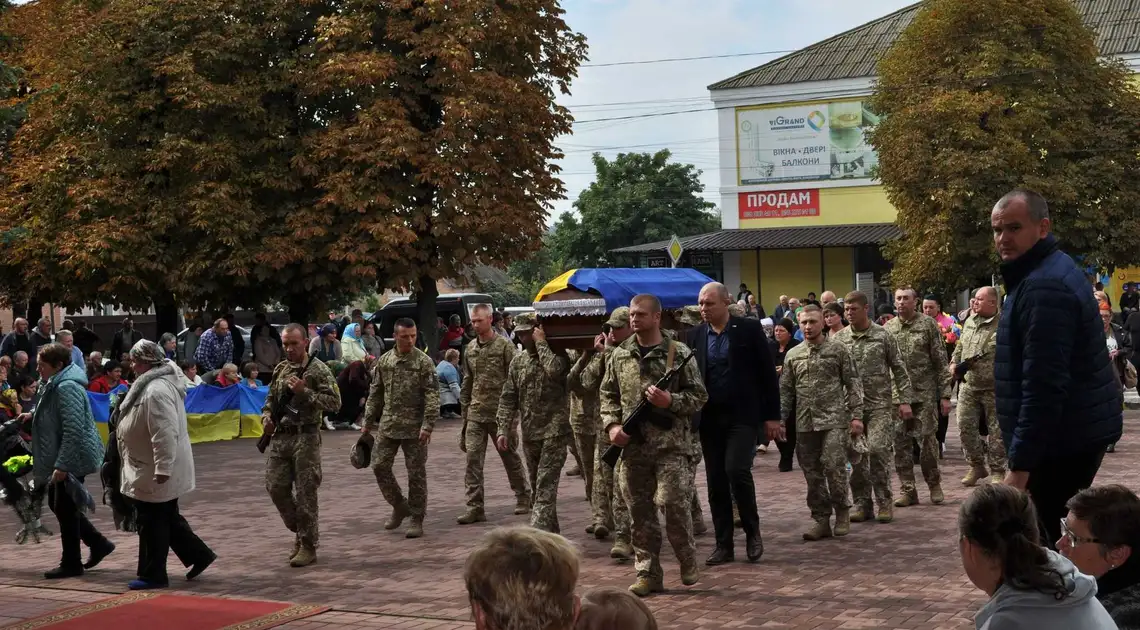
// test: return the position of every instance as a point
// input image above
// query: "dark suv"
(460, 304)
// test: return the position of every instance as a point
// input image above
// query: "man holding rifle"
(654, 471)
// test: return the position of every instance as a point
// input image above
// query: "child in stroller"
(18, 489)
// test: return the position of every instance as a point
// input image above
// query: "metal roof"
(778, 238)
(855, 53)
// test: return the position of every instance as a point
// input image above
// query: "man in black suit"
(744, 398)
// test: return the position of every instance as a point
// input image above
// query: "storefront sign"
(657, 262)
(822, 141)
(781, 204)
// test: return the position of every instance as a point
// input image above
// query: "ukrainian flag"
(213, 413)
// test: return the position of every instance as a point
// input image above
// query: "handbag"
(1130, 376)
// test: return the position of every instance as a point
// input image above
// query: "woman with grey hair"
(169, 344)
(158, 466)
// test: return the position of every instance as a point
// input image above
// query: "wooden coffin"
(571, 318)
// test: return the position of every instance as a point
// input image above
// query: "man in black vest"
(744, 399)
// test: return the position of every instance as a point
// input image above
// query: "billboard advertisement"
(784, 204)
(812, 142)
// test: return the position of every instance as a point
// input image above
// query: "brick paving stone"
(906, 574)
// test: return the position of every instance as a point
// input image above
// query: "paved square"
(903, 575)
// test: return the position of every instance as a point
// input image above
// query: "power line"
(675, 59)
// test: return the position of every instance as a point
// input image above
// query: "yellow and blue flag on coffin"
(212, 413)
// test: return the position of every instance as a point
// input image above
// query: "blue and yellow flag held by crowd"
(213, 413)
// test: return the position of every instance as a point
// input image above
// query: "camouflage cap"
(619, 318)
(525, 322)
(689, 315)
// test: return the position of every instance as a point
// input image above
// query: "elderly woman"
(158, 466)
(326, 346)
(169, 344)
(66, 447)
(1101, 535)
(447, 372)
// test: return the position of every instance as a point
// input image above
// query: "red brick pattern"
(902, 575)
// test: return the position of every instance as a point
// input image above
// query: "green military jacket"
(403, 398)
(879, 363)
(628, 374)
(320, 395)
(585, 409)
(924, 352)
(535, 389)
(821, 383)
(485, 367)
(979, 343)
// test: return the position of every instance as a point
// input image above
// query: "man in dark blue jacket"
(1058, 400)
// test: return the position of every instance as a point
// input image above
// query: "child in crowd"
(609, 608)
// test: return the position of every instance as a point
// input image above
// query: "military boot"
(819, 531)
(907, 498)
(936, 496)
(865, 511)
(690, 573)
(699, 526)
(473, 515)
(886, 513)
(842, 523)
(399, 513)
(735, 515)
(621, 550)
(416, 529)
(646, 585)
(997, 477)
(601, 532)
(306, 556)
(591, 528)
(976, 473)
(296, 548)
(522, 507)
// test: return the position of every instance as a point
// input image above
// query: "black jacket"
(751, 369)
(1056, 391)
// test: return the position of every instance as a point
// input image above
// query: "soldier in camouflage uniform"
(403, 402)
(975, 354)
(879, 362)
(688, 317)
(924, 353)
(536, 391)
(655, 470)
(610, 512)
(292, 414)
(584, 419)
(485, 363)
(821, 384)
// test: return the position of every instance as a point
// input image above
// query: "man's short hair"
(484, 308)
(1038, 207)
(907, 287)
(297, 328)
(1112, 512)
(856, 297)
(648, 300)
(218, 322)
(812, 308)
(451, 354)
(604, 608)
(405, 322)
(523, 578)
(61, 335)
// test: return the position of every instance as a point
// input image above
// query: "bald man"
(827, 298)
(973, 367)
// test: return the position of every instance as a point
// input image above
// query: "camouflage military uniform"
(976, 394)
(484, 374)
(924, 352)
(402, 401)
(821, 384)
(880, 365)
(584, 419)
(655, 469)
(608, 506)
(691, 316)
(536, 391)
(293, 467)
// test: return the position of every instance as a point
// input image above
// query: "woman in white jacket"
(158, 466)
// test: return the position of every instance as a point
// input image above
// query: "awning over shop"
(778, 238)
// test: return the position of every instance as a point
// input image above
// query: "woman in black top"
(783, 342)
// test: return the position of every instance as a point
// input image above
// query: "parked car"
(445, 306)
(246, 356)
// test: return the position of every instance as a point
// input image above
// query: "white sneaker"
(329, 425)
(762, 449)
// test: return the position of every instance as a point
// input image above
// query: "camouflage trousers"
(974, 407)
(415, 459)
(649, 483)
(873, 472)
(584, 447)
(608, 505)
(695, 460)
(544, 462)
(292, 478)
(476, 444)
(823, 458)
(925, 432)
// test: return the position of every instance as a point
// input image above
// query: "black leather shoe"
(97, 556)
(61, 572)
(755, 547)
(720, 556)
(201, 565)
(785, 464)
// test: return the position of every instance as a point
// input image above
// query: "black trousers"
(74, 528)
(728, 452)
(1054, 482)
(162, 529)
(788, 447)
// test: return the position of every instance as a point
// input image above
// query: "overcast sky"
(635, 30)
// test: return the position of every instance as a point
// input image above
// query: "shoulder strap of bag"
(672, 355)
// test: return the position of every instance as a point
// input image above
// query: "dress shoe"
(785, 464)
(97, 556)
(202, 565)
(755, 547)
(143, 585)
(62, 572)
(720, 556)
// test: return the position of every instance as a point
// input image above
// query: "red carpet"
(170, 612)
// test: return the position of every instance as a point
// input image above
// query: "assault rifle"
(280, 410)
(644, 412)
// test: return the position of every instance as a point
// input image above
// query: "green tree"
(526, 277)
(637, 198)
(981, 96)
(11, 107)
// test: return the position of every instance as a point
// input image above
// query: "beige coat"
(153, 437)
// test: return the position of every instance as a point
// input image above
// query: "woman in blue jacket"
(66, 448)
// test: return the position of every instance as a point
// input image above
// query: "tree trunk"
(35, 310)
(426, 295)
(166, 314)
(301, 308)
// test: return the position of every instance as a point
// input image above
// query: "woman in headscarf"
(351, 346)
(158, 467)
